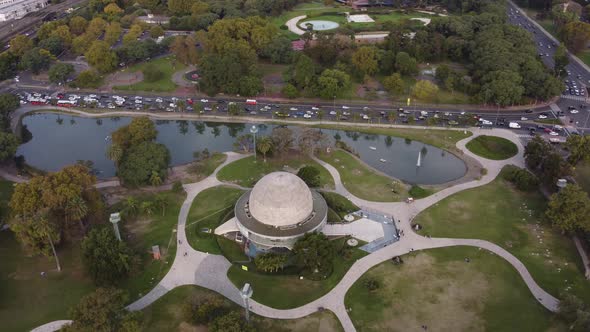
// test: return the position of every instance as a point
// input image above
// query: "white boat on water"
(382, 160)
(372, 148)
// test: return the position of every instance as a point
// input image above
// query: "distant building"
(154, 19)
(15, 9)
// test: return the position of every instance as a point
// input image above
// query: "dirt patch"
(186, 327)
(357, 172)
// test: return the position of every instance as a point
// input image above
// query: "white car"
(574, 111)
(138, 101)
(307, 116)
(345, 107)
(293, 109)
(542, 116)
(204, 100)
(553, 133)
(332, 112)
(366, 117)
(159, 100)
(523, 118)
(462, 113)
(111, 106)
(346, 113)
(315, 108)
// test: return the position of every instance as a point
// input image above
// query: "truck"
(514, 125)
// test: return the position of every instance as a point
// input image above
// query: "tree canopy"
(106, 259)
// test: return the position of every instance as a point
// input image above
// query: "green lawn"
(585, 56)
(246, 172)
(203, 168)
(437, 288)
(582, 175)
(492, 147)
(6, 188)
(146, 232)
(444, 139)
(167, 65)
(29, 299)
(514, 220)
(362, 181)
(209, 210)
(339, 204)
(294, 292)
(166, 315)
(231, 250)
(549, 121)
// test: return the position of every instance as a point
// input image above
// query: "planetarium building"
(276, 212)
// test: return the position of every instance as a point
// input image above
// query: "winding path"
(210, 271)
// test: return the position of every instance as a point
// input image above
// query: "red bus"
(250, 101)
(66, 103)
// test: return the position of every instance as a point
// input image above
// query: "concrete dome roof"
(280, 199)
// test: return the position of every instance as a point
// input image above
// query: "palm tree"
(161, 203)
(114, 153)
(155, 179)
(76, 209)
(45, 228)
(131, 206)
(147, 207)
(264, 145)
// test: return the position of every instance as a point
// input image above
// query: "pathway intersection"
(210, 271)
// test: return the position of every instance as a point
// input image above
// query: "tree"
(8, 145)
(394, 84)
(53, 44)
(264, 145)
(59, 72)
(180, 7)
(100, 56)
(333, 82)
(405, 64)
(569, 305)
(569, 209)
(244, 142)
(156, 31)
(115, 153)
(229, 322)
(289, 91)
(88, 79)
(502, 87)
(561, 60)
(141, 161)
(302, 71)
(8, 65)
(309, 140)
(103, 311)
(112, 9)
(579, 149)
(199, 8)
(279, 50)
(282, 139)
(37, 234)
(36, 60)
(443, 72)
(155, 179)
(425, 90)
(366, 60)
(106, 259)
(576, 36)
(95, 28)
(20, 44)
(315, 252)
(185, 49)
(310, 175)
(63, 34)
(142, 129)
(112, 33)
(78, 25)
(161, 202)
(535, 152)
(133, 34)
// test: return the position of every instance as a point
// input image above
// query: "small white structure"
(154, 19)
(359, 18)
(15, 9)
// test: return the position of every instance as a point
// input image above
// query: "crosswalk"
(579, 98)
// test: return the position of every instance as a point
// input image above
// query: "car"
(332, 112)
(204, 100)
(523, 118)
(189, 101)
(159, 100)
(574, 111)
(293, 109)
(307, 116)
(253, 113)
(547, 130)
(542, 116)
(315, 108)
(453, 123)
(462, 113)
(345, 107)
(553, 133)
(346, 113)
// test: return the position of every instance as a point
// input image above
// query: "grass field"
(492, 147)
(444, 139)
(549, 121)
(166, 315)
(514, 220)
(208, 210)
(585, 56)
(203, 168)
(246, 172)
(166, 65)
(437, 288)
(582, 175)
(146, 232)
(362, 181)
(294, 292)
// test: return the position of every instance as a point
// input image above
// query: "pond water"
(60, 140)
(319, 25)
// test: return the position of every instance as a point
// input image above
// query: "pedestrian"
(185, 254)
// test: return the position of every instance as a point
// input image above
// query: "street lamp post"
(114, 219)
(246, 294)
(253, 131)
(586, 122)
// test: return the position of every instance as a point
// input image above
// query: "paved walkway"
(210, 271)
(292, 25)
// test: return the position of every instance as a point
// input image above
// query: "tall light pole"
(334, 105)
(246, 294)
(586, 122)
(114, 219)
(253, 131)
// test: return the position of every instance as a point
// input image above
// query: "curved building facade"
(279, 210)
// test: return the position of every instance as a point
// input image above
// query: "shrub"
(340, 204)
(87, 79)
(284, 27)
(419, 192)
(371, 284)
(310, 175)
(177, 187)
(521, 178)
